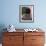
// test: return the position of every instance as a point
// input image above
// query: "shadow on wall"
(2, 26)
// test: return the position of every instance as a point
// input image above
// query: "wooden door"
(13, 40)
(38, 40)
(34, 39)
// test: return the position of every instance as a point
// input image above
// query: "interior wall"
(9, 13)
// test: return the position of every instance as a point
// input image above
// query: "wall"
(9, 13)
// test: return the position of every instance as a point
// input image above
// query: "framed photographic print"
(26, 13)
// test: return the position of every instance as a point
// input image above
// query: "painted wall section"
(9, 10)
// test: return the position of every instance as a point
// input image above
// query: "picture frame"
(26, 13)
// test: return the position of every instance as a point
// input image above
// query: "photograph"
(26, 13)
(22, 23)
